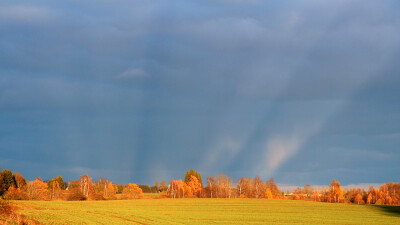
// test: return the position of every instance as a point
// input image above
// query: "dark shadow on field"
(390, 210)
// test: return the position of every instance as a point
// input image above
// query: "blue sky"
(134, 91)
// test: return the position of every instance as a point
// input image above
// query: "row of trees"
(15, 186)
(387, 194)
(221, 186)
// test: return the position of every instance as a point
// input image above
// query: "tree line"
(13, 186)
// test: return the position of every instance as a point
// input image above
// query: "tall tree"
(8, 180)
(224, 186)
(276, 193)
(316, 196)
(335, 191)
(268, 194)
(163, 185)
(37, 190)
(244, 187)
(259, 188)
(195, 186)
(308, 190)
(194, 173)
(86, 185)
(19, 180)
(211, 186)
(59, 180)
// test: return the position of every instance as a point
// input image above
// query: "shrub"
(97, 196)
(76, 195)
(15, 194)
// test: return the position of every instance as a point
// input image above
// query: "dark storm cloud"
(143, 90)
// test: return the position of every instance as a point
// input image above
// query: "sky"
(143, 90)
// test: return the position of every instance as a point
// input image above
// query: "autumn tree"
(259, 187)
(358, 199)
(56, 185)
(224, 186)
(372, 193)
(18, 180)
(104, 189)
(59, 180)
(244, 187)
(7, 180)
(308, 190)
(276, 193)
(86, 185)
(37, 190)
(132, 191)
(194, 173)
(195, 186)
(55, 190)
(211, 187)
(336, 192)
(316, 196)
(268, 194)
(369, 198)
(163, 185)
(176, 189)
(15, 194)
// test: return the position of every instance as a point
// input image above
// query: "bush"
(76, 195)
(15, 194)
(97, 196)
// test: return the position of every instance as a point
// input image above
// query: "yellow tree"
(335, 191)
(259, 187)
(244, 187)
(20, 181)
(37, 190)
(86, 185)
(176, 189)
(195, 185)
(132, 191)
(339, 194)
(316, 196)
(358, 199)
(109, 191)
(187, 190)
(369, 198)
(55, 190)
(268, 194)
(15, 194)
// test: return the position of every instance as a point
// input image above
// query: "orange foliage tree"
(268, 194)
(195, 186)
(37, 190)
(86, 185)
(176, 189)
(316, 196)
(132, 191)
(336, 192)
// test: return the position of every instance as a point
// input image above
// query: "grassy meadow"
(205, 211)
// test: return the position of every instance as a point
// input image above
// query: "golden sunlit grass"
(204, 211)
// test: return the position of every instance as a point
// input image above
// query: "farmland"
(205, 211)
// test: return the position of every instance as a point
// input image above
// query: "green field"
(205, 211)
